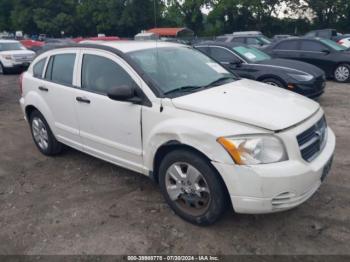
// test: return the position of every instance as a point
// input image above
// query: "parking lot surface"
(77, 204)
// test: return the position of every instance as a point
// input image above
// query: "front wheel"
(2, 69)
(273, 82)
(192, 187)
(342, 73)
(42, 135)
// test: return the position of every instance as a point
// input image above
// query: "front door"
(109, 129)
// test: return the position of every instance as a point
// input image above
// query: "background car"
(331, 34)
(280, 37)
(32, 44)
(332, 58)
(250, 38)
(254, 64)
(344, 42)
(14, 56)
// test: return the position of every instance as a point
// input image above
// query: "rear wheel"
(192, 187)
(273, 82)
(42, 135)
(342, 73)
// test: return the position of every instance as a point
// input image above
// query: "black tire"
(218, 193)
(53, 146)
(339, 78)
(3, 70)
(274, 82)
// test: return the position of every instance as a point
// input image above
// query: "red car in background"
(97, 38)
(32, 44)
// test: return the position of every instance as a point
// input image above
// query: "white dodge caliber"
(171, 113)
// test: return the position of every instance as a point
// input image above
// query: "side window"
(252, 41)
(221, 54)
(312, 46)
(99, 74)
(287, 45)
(221, 38)
(324, 34)
(60, 69)
(239, 40)
(38, 68)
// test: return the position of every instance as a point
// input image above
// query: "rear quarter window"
(38, 68)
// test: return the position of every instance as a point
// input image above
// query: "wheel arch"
(172, 145)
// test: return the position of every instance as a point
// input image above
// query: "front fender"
(192, 129)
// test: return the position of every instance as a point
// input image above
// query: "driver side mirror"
(235, 62)
(325, 51)
(124, 93)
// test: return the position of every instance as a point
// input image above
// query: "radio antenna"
(155, 13)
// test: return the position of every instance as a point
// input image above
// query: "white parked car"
(171, 113)
(345, 42)
(13, 56)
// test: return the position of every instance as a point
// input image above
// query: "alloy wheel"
(40, 133)
(272, 83)
(187, 187)
(342, 73)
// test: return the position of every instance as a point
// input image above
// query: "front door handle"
(44, 89)
(83, 100)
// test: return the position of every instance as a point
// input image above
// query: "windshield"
(11, 46)
(333, 45)
(180, 68)
(251, 54)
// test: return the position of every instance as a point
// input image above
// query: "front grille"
(312, 141)
(23, 58)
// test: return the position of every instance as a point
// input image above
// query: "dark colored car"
(326, 54)
(280, 37)
(254, 64)
(250, 38)
(331, 34)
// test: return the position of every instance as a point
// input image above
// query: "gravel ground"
(76, 204)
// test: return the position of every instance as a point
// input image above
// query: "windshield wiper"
(183, 89)
(219, 81)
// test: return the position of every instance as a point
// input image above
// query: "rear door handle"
(44, 89)
(83, 100)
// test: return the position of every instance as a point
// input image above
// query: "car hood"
(252, 103)
(18, 52)
(294, 65)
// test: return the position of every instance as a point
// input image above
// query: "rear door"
(109, 129)
(59, 93)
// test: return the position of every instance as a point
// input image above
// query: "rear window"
(287, 45)
(38, 68)
(60, 69)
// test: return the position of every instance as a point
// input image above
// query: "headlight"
(7, 57)
(302, 78)
(254, 150)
